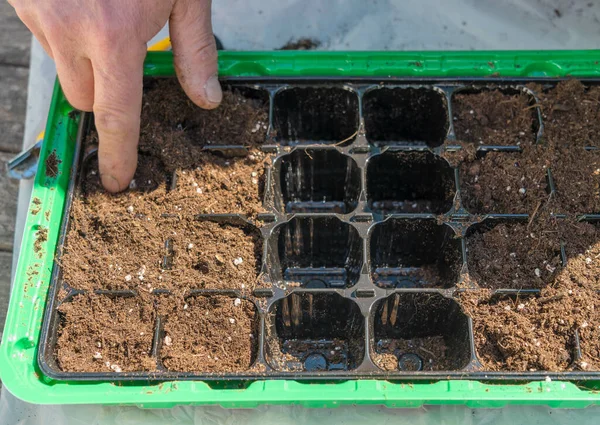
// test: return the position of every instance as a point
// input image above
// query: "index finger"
(118, 79)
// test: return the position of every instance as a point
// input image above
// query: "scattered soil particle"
(455, 158)
(52, 163)
(513, 256)
(431, 350)
(494, 118)
(209, 334)
(570, 113)
(41, 236)
(103, 334)
(506, 183)
(301, 44)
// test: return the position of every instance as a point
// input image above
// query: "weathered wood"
(13, 101)
(5, 264)
(15, 38)
(8, 206)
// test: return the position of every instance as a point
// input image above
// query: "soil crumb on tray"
(506, 183)
(570, 112)
(513, 256)
(52, 163)
(209, 334)
(301, 44)
(494, 118)
(103, 334)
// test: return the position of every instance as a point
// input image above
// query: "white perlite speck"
(522, 191)
(127, 278)
(97, 355)
(231, 320)
(537, 272)
(115, 367)
(130, 208)
(237, 302)
(168, 340)
(237, 261)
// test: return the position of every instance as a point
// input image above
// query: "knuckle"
(112, 121)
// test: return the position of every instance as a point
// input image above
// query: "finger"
(117, 108)
(76, 79)
(195, 52)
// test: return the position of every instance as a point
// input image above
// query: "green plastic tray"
(18, 352)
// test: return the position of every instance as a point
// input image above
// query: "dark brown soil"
(103, 334)
(52, 163)
(514, 256)
(506, 183)
(173, 126)
(494, 118)
(301, 44)
(571, 113)
(209, 334)
(431, 350)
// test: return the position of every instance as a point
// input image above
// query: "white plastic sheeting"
(339, 25)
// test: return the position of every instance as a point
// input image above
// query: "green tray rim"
(18, 352)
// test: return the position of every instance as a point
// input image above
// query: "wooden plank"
(5, 264)
(13, 103)
(15, 38)
(8, 205)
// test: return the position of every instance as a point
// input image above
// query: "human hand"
(99, 48)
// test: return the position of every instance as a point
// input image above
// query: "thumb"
(195, 52)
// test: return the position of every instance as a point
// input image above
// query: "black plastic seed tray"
(364, 238)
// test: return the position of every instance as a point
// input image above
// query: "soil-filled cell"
(100, 333)
(414, 254)
(495, 117)
(318, 181)
(316, 252)
(315, 115)
(315, 332)
(420, 332)
(513, 255)
(410, 182)
(208, 334)
(413, 116)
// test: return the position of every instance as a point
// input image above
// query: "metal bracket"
(24, 165)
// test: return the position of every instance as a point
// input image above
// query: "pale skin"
(99, 47)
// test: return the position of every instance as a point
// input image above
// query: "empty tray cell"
(414, 116)
(208, 334)
(316, 252)
(495, 117)
(410, 182)
(319, 181)
(513, 255)
(420, 332)
(315, 332)
(315, 114)
(414, 254)
(106, 334)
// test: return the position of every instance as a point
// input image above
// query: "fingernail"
(110, 183)
(213, 90)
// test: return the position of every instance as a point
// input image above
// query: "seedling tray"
(350, 265)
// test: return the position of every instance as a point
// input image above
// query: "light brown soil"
(209, 334)
(103, 334)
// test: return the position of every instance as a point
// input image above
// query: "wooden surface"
(14, 38)
(15, 42)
